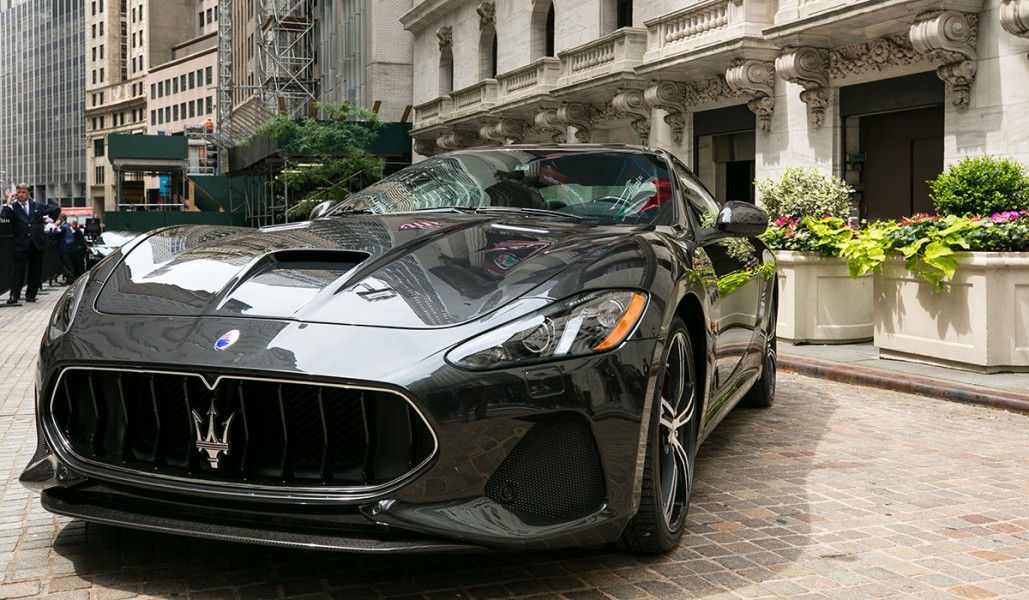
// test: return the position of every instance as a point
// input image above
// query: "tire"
(762, 393)
(671, 449)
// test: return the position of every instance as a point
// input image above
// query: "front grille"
(265, 432)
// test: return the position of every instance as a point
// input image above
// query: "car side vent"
(554, 471)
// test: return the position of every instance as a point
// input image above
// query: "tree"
(325, 159)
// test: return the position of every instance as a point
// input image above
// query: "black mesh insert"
(554, 471)
(292, 434)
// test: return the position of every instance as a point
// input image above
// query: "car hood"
(415, 271)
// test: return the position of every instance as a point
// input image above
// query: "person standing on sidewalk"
(71, 245)
(27, 219)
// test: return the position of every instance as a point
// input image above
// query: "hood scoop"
(280, 283)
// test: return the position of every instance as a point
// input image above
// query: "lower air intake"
(554, 471)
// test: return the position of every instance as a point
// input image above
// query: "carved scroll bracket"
(457, 139)
(425, 147)
(578, 115)
(949, 36)
(547, 120)
(504, 131)
(807, 67)
(756, 79)
(632, 103)
(670, 97)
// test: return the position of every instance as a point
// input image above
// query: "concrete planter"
(819, 302)
(978, 322)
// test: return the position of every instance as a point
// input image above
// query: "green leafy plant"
(980, 185)
(826, 236)
(805, 192)
(929, 243)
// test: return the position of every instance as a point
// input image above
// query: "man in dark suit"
(27, 219)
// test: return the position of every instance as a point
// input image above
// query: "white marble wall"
(997, 118)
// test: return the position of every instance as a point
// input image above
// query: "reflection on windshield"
(606, 186)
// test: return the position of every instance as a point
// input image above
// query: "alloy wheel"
(678, 404)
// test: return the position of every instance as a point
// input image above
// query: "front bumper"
(510, 471)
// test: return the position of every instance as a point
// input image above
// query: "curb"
(910, 384)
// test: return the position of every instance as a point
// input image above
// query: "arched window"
(623, 8)
(488, 53)
(542, 38)
(446, 71)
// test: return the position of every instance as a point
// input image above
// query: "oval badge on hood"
(227, 340)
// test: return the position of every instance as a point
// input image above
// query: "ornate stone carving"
(425, 147)
(670, 97)
(708, 91)
(581, 116)
(504, 131)
(1014, 17)
(459, 138)
(807, 67)
(632, 103)
(546, 120)
(487, 14)
(874, 55)
(756, 79)
(949, 36)
(445, 35)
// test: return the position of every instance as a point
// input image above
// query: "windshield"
(608, 187)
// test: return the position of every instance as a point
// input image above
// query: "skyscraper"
(42, 135)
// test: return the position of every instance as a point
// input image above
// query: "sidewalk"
(860, 364)
(857, 364)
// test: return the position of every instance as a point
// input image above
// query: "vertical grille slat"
(267, 432)
(95, 442)
(157, 449)
(127, 422)
(324, 468)
(285, 436)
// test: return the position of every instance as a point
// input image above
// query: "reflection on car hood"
(413, 270)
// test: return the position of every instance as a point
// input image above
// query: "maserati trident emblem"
(227, 340)
(211, 445)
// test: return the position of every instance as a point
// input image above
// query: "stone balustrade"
(474, 98)
(618, 52)
(538, 77)
(706, 24)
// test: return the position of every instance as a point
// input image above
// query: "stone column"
(671, 122)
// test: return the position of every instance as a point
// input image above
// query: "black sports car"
(502, 348)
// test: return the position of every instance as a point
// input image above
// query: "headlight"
(585, 324)
(64, 312)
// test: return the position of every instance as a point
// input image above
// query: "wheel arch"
(691, 312)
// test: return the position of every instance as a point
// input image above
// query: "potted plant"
(953, 288)
(819, 302)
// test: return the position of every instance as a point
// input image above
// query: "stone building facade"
(884, 93)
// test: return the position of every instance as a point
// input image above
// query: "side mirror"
(742, 219)
(320, 209)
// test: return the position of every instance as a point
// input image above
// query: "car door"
(735, 297)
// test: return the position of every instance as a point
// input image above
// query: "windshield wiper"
(453, 209)
(538, 211)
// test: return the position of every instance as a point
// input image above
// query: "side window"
(703, 208)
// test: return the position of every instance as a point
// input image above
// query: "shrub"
(980, 185)
(805, 192)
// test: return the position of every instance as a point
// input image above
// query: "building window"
(160, 117)
(93, 34)
(93, 8)
(624, 10)
(153, 91)
(446, 71)
(182, 82)
(153, 117)
(101, 28)
(210, 105)
(94, 76)
(192, 109)
(207, 74)
(488, 53)
(167, 114)
(101, 74)
(175, 112)
(94, 53)
(175, 85)
(201, 18)
(192, 81)
(98, 147)
(101, 51)
(98, 174)
(542, 35)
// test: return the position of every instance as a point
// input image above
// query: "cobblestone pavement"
(838, 492)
